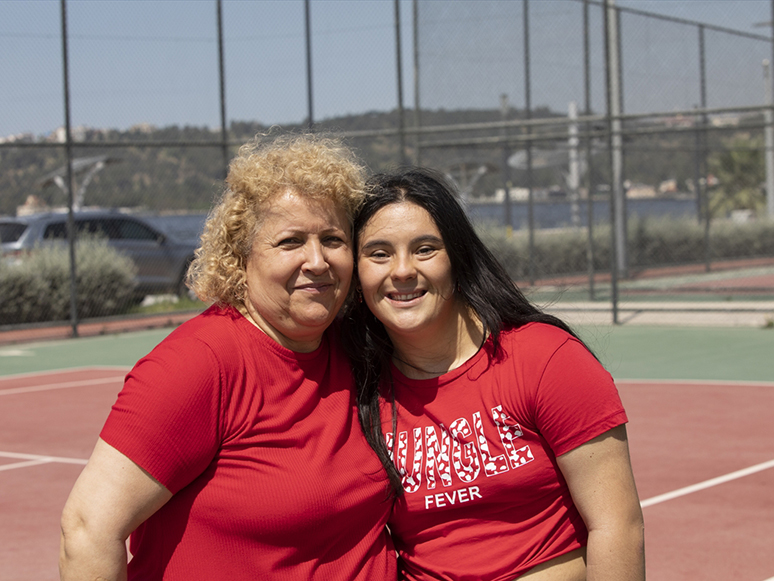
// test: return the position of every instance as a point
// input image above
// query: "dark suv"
(161, 256)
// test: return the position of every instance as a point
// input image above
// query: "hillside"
(175, 177)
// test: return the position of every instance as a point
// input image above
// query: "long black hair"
(480, 281)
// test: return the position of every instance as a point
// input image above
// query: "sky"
(141, 61)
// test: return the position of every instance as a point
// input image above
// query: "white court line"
(708, 484)
(26, 464)
(700, 383)
(34, 459)
(63, 385)
(46, 372)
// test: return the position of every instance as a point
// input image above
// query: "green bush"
(37, 288)
(650, 243)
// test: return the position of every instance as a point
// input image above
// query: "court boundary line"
(27, 374)
(29, 460)
(26, 464)
(62, 385)
(707, 484)
(700, 383)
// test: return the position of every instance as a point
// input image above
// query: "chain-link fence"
(632, 146)
(606, 154)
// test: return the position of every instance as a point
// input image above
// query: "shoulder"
(535, 348)
(215, 323)
(200, 349)
(535, 338)
(217, 329)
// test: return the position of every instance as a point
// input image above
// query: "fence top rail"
(560, 121)
(685, 21)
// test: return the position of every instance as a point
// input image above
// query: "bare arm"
(600, 478)
(111, 497)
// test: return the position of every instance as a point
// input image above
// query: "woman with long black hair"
(503, 435)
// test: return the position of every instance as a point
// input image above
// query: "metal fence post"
(701, 182)
(618, 234)
(222, 80)
(399, 74)
(417, 110)
(588, 181)
(769, 138)
(308, 35)
(507, 214)
(528, 116)
(71, 233)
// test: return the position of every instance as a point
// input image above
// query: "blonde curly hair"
(315, 166)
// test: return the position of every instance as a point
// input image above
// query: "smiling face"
(405, 272)
(299, 270)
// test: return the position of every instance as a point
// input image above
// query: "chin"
(404, 326)
(315, 321)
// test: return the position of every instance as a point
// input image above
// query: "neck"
(446, 347)
(300, 345)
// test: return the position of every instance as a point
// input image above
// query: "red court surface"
(703, 456)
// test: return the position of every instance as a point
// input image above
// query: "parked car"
(162, 257)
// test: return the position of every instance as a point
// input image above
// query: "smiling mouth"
(405, 297)
(315, 286)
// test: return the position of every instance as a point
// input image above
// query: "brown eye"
(289, 242)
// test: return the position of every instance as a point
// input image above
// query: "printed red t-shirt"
(484, 497)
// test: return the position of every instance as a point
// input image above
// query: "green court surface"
(122, 349)
(628, 352)
(699, 353)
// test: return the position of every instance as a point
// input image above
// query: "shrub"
(38, 287)
(650, 243)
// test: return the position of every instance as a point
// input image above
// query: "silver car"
(162, 257)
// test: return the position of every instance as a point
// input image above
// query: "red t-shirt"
(477, 446)
(271, 475)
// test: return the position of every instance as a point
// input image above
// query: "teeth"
(406, 297)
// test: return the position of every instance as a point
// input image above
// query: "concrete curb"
(681, 314)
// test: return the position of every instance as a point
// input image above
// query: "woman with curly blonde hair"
(234, 449)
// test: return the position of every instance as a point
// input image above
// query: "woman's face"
(404, 270)
(299, 270)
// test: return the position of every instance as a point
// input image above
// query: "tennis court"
(702, 441)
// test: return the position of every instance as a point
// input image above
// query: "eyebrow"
(417, 240)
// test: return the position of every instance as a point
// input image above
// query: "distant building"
(18, 138)
(79, 133)
(725, 120)
(142, 128)
(639, 190)
(667, 187)
(516, 194)
(32, 205)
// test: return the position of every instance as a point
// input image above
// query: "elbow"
(637, 524)
(87, 551)
(632, 527)
(626, 532)
(72, 538)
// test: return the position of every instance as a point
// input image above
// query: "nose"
(315, 261)
(403, 268)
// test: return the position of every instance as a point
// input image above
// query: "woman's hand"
(111, 497)
(601, 482)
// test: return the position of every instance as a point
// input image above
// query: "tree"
(740, 172)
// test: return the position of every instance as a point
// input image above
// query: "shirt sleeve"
(166, 417)
(577, 399)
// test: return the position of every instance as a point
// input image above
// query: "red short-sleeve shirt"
(484, 496)
(271, 475)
